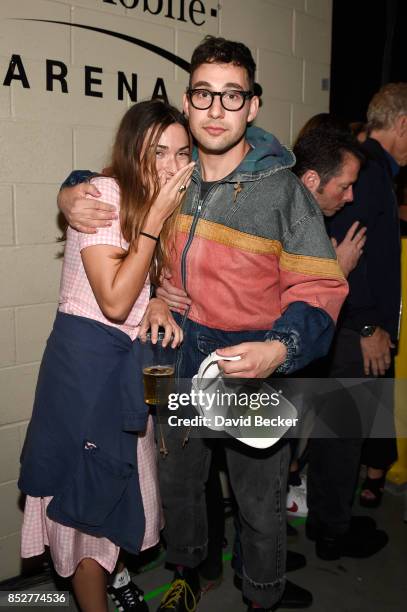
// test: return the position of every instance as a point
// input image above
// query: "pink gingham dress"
(69, 546)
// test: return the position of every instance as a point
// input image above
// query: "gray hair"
(389, 103)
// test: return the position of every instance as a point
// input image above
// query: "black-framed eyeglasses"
(231, 99)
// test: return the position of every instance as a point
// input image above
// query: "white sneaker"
(297, 499)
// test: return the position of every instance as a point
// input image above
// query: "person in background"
(328, 161)
(88, 464)
(366, 337)
(322, 120)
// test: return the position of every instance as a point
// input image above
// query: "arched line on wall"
(171, 57)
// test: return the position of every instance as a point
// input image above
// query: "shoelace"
(128, 594)
(171, 598)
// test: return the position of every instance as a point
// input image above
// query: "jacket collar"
(375, 151)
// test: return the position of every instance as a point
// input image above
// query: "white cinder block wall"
(44, 133)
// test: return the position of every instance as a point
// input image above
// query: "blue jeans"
(258, 478)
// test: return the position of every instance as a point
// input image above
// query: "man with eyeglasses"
(252, 253)
(232, 99)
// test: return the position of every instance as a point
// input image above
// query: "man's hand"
(82, 213)
(176, 299)
(376, 352)
(257, 359)
(158, 315)
(350, 249)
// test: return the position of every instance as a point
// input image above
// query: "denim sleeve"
(78, 176)
(306, 331)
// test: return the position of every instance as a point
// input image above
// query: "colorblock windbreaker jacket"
(254, 254)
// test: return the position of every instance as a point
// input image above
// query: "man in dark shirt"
(366, 335)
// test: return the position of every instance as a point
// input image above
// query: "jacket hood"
(266, 156)
(267, 153)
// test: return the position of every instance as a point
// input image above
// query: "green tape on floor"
(298, 521)
(157, 591)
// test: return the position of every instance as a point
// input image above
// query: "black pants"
(258, 478)
(334, 461)
(211, 568)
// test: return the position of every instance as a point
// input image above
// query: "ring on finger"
(182, 188)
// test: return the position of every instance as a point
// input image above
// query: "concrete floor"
(378, 584)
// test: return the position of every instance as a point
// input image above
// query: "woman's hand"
(168, 199)
(159, 315)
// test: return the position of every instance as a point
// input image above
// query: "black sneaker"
(207, 585)
(294, 597)
(358, 524)
(294, 561)
(358, 546)
(128, 597)
(183, 594)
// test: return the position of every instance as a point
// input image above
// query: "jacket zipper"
(184, 284)
(190, 239)
(192, 232)
(188, 244)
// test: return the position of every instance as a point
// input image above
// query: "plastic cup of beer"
(158, 370)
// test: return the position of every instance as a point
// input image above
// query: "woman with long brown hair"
(88, 462)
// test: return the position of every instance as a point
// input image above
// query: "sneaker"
(128, 597)
(209, 585)
(294, 597)
(294, 561)
(183, 594)
(358, 546)
(357, 525)
(297, 500)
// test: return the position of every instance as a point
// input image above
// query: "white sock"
(121, 579)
